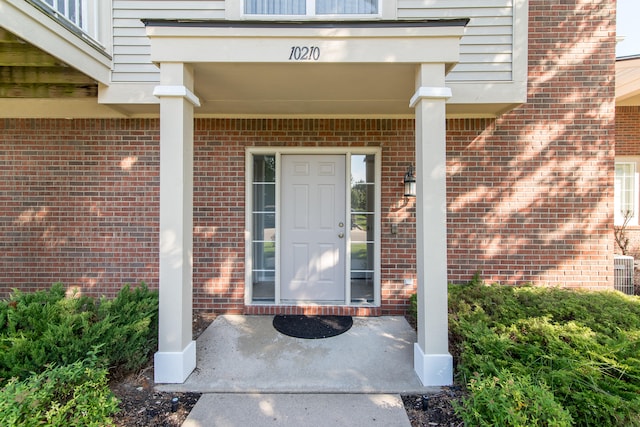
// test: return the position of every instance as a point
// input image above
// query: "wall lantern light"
(410, 183)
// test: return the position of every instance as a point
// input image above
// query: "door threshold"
(313, 310)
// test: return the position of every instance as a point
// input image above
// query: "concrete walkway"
(251, 374)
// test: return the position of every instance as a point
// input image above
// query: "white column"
(176, 356)
(432, 361)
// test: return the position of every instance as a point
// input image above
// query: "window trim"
(635, 161)
(387, 10)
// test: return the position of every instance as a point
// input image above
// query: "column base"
(173, 367)
(433, 369)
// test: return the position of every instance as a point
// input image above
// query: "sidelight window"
(363, 215)
(264, 227)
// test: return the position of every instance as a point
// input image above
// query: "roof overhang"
(32, 25)
(345, 68)
(628, 81)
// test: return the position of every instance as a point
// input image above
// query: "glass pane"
(362, 227)
(264, 255)
(60, 8)
(264, 168)
(363, 183)
(264, 197)
(264, 227)
(361, 257)
(344, 7)
(362, 197)
(275, 7)
(264, 286)
(362, 287)
(72, 12)
(363, 168)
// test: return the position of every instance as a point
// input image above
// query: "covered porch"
(246, 354)
(337, 69)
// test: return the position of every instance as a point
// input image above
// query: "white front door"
(313, 228)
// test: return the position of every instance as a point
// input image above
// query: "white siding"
(486, 50)
(130, 43)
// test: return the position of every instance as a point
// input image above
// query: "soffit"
(28, 72)
(628, 81)
(314, 89)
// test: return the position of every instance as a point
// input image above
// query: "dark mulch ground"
(142, 406)
(433, 410)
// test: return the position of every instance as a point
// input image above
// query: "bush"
(413, 306)
(583, 346)
(73, 395)
(511, 401)
(129, 324)
(46, 327)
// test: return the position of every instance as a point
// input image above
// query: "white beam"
(305, 44)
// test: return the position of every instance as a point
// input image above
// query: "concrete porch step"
(299, 410)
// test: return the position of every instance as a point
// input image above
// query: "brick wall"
(530, 193)
(219, 198)
(78, 203)
(628, 131)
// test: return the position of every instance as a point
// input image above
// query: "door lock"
(341, 224)
(341, 235)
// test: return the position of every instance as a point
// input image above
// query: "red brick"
(529, 193)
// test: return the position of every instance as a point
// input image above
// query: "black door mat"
(312, 327)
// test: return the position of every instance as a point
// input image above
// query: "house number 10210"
(304, 53)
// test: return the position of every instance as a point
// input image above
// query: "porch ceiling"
(301, 88)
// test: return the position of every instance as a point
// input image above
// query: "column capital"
(426, 92)
(176, 91)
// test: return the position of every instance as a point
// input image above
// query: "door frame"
(278, 152)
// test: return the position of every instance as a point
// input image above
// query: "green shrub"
(129, 324)
(413, 306)
(46, 327)
(73, 395)
(583, 345)
(511, 401)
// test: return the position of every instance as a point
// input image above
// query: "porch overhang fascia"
(37, 28)
(339, 41)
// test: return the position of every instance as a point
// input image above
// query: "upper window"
(312, 7)
(91, 18)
